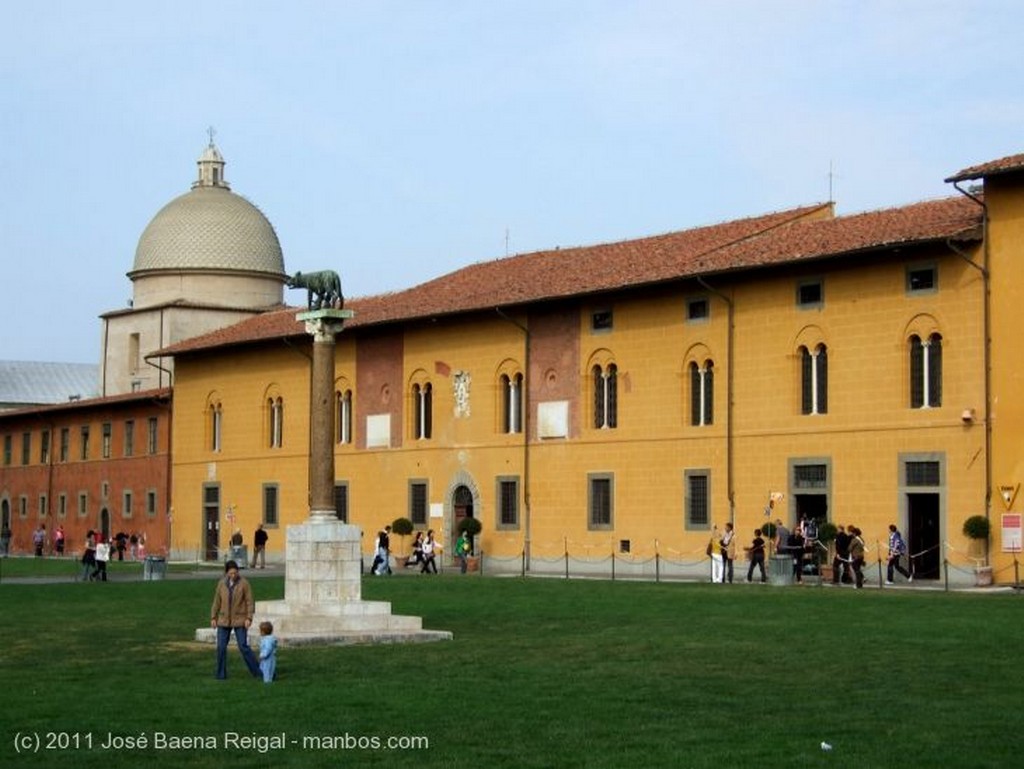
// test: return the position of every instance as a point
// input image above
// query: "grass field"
(542, 673)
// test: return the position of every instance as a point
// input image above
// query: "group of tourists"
(424, 553)
(801, 546)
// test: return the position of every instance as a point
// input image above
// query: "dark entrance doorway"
(462, 507)
(211, 522)
(923, 536)
(813, 506)
(105, 524)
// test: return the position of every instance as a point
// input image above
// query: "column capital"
(324, 325)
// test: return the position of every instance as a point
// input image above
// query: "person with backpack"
(897, 549)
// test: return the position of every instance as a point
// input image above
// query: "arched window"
(814, 380)
(422, 404)
(343, 413)
(925, 372)
(216, 424)
(702, 393)
(605, 396)
(512, 403)
(275, 407)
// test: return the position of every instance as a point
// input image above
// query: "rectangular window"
(810, 294)
(698, 499)
(923, 474)
(271, 495)
(922, 279)
(44, 447)
(418, 511)
(341, 501)
(698, 310)
(129, 437)
(601, 320)
(508, 502)
(44, 505)
(126, 504)
(151, 503)
(600, 501)
(23, 506)
(810, 476)
(8, 449)
(107, 439)
(62, 505)
(65, 444)
(134, 354)
(83, 504)
(85, 443)
(26, 448)
(152, 436)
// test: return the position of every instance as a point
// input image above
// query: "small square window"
(810, 294)
(601, 320)
(697, 310)
(921, 280)
(623, 545)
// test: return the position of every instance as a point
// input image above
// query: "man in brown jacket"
(232, 609)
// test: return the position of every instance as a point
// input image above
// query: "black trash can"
(154, 568)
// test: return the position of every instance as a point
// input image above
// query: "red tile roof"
(993, 168)
(789, 236)
(156, 394)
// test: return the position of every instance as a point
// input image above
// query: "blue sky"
(397, 141)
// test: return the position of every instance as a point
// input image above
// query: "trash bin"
(780, 570)
(154, 568)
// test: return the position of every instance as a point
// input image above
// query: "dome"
(209, 228)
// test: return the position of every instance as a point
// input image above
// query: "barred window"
(922, 474)
(270, 503)
(418, 503)
(600, 502)
(341, 501)
(698, 501)
(810, 476)
(508, 503)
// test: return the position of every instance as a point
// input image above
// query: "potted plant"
(403, 528)
(977, 529)
(471, 527)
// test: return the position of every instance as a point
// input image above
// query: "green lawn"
(542, 673)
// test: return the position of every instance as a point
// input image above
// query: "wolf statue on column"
(323, 289)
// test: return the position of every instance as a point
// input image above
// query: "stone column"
(324, 326)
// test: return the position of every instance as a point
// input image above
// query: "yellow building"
(604, 407)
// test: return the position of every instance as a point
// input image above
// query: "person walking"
(89, 556)
(58, 541)
(857, 556)
(897, 549)
(268, 652)
(728, 552)
(231, 611)
(39, 540)
(102, 556)
(756, 555)
(429, 546)
(462, 551)
(259, 547)
(841, 560)
(381, 553)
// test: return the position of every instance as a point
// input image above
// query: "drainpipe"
(728, 399)
(986, 346)
(526, 433)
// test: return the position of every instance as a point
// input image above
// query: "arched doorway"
(462, 507)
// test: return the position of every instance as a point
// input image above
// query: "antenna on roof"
(831, 182)
(506, 241)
